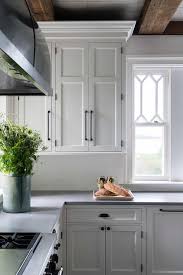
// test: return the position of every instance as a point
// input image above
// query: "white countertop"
(47, 206)
(44, 214)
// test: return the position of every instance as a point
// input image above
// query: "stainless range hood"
(24, 55)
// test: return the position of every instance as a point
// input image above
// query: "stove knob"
(52, 267)
(57, 246)
(54, 258)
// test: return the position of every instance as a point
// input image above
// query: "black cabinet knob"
(108, 228)
(102, 228)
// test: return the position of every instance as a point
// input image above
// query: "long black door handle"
(86, 113)
(172, 210)
(91, 125)
(49, 112)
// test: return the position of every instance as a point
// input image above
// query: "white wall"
(79, 172)
(76, 172)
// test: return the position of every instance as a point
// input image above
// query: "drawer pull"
(102, 228)
(104, 215)
(172, 210)
(108, 228)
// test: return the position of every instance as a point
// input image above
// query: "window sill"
(156, 186)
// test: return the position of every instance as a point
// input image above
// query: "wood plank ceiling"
(152, 16)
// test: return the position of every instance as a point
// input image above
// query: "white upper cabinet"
(88, 105)
(105, 96)
(36, 113)
(72, 97)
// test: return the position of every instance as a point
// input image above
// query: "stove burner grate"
(17, 240)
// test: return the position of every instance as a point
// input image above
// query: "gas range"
(16, 250)
(27, 253)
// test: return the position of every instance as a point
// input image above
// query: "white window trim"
(167, 125)
(166, 62)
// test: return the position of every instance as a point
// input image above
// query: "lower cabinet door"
(123, 250)
(85, 250)
(165, 241)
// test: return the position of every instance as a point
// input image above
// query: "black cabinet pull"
(108, 228)
(49, 112)
(91, 125)
(102, 228)
(104, 215)
(172, 210)
(86, 113)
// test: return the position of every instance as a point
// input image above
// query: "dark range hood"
(24, 55)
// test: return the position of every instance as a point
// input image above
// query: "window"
(150, 124)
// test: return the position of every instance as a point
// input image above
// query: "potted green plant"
(19, 146)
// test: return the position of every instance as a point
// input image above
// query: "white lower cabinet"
(126, 241)
(109, 246)
(123, 250)
(85, 250)
(165, 240)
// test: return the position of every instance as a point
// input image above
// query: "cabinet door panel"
(72, 62)
(85, 250)
(72, 97)
(105, 96)
(33, 112)
(123, 250)
(164, 242)
(105, 61)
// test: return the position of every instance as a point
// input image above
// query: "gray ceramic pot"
(16, 194)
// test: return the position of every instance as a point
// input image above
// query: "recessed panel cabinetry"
(110, 243)
(165, 240)
(88, 96)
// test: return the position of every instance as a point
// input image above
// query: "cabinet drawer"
(126, 215)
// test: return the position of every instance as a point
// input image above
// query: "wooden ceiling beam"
(42, 10)
(156, 15)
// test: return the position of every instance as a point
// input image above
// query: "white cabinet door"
(85, 250)
(165, 241)
(72, 97)
(36, 113)
(105, 96)
(123, 250)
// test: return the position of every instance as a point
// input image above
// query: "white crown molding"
(56, 30)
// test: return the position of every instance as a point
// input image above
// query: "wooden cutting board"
(114, 198)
